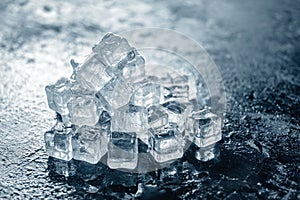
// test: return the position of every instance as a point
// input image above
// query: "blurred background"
(254, 43)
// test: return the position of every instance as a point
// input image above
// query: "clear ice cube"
(204, 128)
(178, 93)
(58, 142)
(105, 122)
(83, 110)
(112, 49)
(122, 150)
(58, 95)
(147, 95)
(157, 117)
(130, 118)
(133, 68)
(93, 73)
(89, 144)
(116, 93)
(176, 114)
(165, 143)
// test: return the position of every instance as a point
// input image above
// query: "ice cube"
(130, 118)
(133, 68)
(75, 67)
(112, 49)
(176, 114)
(105, 121)
(122, 150)
(178, 93)
(58, 142)
(157, 117)
(147, 95)
(204, 128)
(89, 144)
(165, 143)
(58, 95)
(93, 73)
(187, 81)
(83, 110)
(116, 93)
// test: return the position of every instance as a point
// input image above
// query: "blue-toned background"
(256, 45)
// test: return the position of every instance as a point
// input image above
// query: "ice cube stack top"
(110, 103)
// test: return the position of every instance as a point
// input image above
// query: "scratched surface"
(254, 43)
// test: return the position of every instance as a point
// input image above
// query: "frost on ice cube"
(89, 144)
(165, 143)
(83, 110)
(58, 142)
(93, 73)
(58, 95)
(122, 150)
(204, 128)
(112, 49)
(157, 117)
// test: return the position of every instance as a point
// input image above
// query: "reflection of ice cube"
(176, 114)
(157, 117)
(122, 150)
(89, 144)
(58, 95)
(83, 110)
(204, 128)
(116, 93)
(58, 143)
(93, 73)
(147, 95)
(130, 118)
(61, 167)
(166, 143)
(111, 49)
(207, 153)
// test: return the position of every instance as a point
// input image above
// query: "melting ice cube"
(166, 143)
(83, 110)
(112, 49)
(157, 117)
(58, 142)
(122, 150)
(149, 94)
(116, 93)
(93, 73)
(89, 144)
(58, 95)
(204, 128)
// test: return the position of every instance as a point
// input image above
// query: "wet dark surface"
(254, 43)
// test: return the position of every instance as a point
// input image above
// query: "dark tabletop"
(255, 44)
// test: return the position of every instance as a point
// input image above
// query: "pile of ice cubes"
(110, 105)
